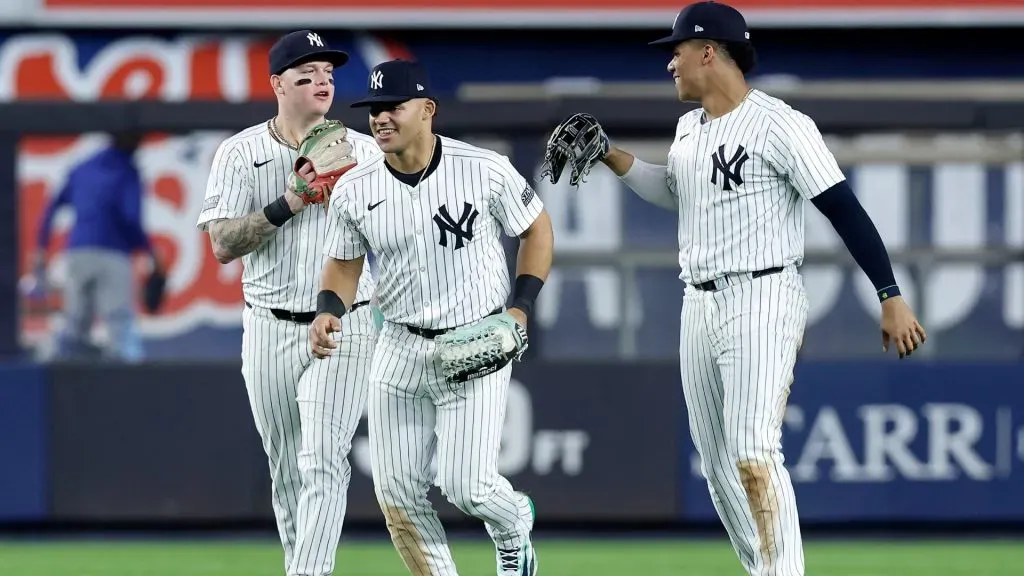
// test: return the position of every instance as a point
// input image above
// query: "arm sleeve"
(805, 159)
(840, 205)
(344, 241)
(651, 182)
(229, 189)
(516, 203)
(46, 226)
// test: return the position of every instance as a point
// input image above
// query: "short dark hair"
(737, 52)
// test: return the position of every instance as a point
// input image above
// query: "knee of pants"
(753, 441)
(318, 465)
(465, 494)
(398, 493)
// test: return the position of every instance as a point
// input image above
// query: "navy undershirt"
(840, 205)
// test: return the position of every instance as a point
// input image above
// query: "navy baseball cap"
(394, 82)
(300, 47)
(713, 21)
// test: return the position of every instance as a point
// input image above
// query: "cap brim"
(673, 39)
(384, 99)
(337, 58)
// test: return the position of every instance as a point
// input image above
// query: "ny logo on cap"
(377, 80)
(314, 39)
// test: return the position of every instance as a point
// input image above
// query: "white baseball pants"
(738, 346)
(412, 418)
(306, 411)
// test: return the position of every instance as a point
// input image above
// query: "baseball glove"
(327, 149)
(578, 141)
(154, 290)
(480, 349)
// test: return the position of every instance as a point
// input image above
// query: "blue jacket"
(105, 191)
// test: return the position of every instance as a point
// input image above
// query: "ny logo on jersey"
(376, 80)
(729, 169)
(461, 229)
(314, 39)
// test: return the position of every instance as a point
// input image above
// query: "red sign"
(201, 291)
(522, 13)
(535, 4)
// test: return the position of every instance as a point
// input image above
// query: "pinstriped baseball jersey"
(440, 259)
(742, 180)
(250, 170)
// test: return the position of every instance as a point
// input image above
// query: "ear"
(429, 109)
(277, 84)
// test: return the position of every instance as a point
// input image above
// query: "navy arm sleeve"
(854, 226)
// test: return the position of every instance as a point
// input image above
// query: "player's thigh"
(271, 370)
(402, 444)
(332, 396)
(761, 334)
(699, 373)
(469, 429)
(400, 418)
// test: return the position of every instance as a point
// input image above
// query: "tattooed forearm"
(237, 237)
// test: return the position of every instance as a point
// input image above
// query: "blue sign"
(897, 441)
(23, 443)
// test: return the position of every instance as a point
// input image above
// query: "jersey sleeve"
(807, 162)
(344, 241)
(364, 148)
(516, 203)
(229, 188)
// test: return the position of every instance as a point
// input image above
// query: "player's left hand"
(900, 327)
(518, 315)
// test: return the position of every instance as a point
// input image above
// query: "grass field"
(475, 558)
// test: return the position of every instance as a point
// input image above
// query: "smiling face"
(689, 65)
(394, 126)
(306, 89)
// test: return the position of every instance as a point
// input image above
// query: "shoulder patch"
(211, 202)
(528, 194)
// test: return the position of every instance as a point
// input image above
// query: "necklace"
(430, 160)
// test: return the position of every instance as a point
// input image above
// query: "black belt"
(304, 317)
(431, 333)
(709, 286)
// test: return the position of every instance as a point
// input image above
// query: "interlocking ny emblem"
(377, 80)
(729, 169)
(462, 229)
(314, 39)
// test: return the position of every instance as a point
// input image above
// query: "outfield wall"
(175, 444)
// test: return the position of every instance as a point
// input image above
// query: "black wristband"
(526, 291)
(278, 212)
(327, 301)
(888, 292)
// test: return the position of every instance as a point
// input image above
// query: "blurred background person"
(105, 193)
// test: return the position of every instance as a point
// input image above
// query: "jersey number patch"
(729, 169)
(461, 229)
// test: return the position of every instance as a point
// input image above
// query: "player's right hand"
(295, 201)
(320, 341)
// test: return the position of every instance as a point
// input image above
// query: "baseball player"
(738, 172)
(432, 210)
(306, 412)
